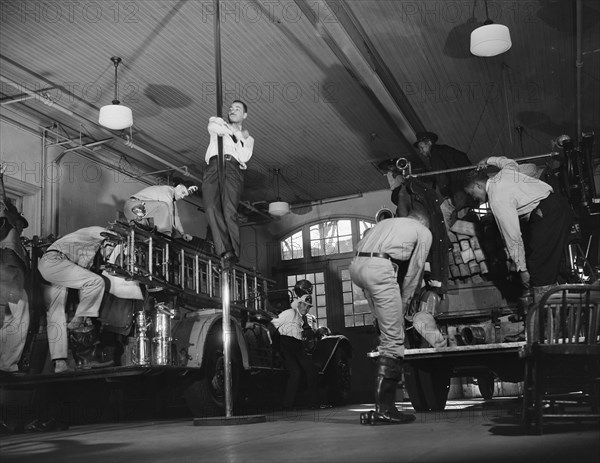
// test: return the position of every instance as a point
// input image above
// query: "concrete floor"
(467, 431)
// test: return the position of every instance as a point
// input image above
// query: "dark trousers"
(545, 238)
(297, 361)
(221, 204)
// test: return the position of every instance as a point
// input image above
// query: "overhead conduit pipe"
(42, 97)
(126, 140)
(184, 170)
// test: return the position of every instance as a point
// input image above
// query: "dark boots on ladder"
(389, 373)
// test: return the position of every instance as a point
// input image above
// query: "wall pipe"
(459, 169)
(86, 146)
(127, 140)
(17, 99)
(43, 98)
(43, 189)
(319, 202)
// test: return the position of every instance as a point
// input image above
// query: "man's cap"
(303, 287)
(422, 136)
(23, 221)
(12, 211)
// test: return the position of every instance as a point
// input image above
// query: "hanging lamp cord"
(487, 15)
(116, 61)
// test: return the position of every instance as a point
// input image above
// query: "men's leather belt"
(227, 157)
(382, 255)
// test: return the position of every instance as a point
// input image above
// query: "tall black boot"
(389, 373)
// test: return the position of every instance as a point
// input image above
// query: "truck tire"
(338, 378)
(427, 388)
(485, 382)
(206, 396)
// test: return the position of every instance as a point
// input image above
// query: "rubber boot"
(389, 373)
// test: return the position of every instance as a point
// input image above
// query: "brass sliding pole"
(225, 292)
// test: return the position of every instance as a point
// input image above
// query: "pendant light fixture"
(490, 39)
(115, 116)
(278, 208)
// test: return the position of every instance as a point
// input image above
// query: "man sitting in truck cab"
(309, 322)
(289, 324)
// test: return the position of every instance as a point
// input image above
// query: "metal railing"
(195, 276)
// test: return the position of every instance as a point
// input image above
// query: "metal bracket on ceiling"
(250, 206)
(183, 169)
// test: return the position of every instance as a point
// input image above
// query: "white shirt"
(165, 194)
(289, 323)
(80, 246)
(240, 150)
(511, 195)
(404, 239)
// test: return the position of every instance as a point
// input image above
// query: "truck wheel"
(485, 383)
(427, 389)
(206, 397)
(339, 378)
(413, 388)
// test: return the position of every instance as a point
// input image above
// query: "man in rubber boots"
(404, 239)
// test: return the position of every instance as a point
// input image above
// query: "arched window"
(321, 253)
(326, 238)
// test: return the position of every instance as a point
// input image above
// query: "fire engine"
(169, 345)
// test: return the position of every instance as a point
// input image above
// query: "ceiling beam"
(343, 33)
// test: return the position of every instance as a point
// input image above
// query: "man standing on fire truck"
(533, 220)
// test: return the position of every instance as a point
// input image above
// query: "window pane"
(346, 243)
(327, 238)
(331, 237)
(356, 307)
(291, 247)
(331, 246)
(317, 247)
(315, 232)
(321, 299)
(360, 322)
(363, 225)
(344, 227)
